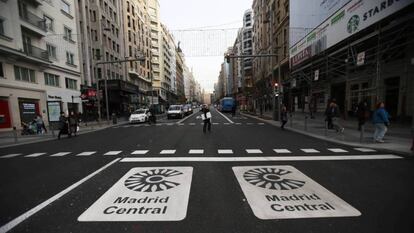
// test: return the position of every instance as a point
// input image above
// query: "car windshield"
(139, 111)
(174, 108)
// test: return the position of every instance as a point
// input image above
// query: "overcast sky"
(184, 14)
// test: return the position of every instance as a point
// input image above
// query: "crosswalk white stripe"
(86, 153)
(272, 158)
(60, 154)
(337, 150)
(282, 151)
(113, 152)
(34, 155)
(169, 152)
(310, 150)
(192, 151)
(254, 151)
(365, 149)
(9, 156)
(225, 151)
(139, 152)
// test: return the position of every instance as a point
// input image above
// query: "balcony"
(33, 22)
(35, 52)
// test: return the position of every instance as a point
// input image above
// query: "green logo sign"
(353, 24)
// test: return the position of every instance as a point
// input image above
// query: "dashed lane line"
(86, 153)
(365, 149)
(254, 151)
(113, 152)
(196, 151)
(60, 154)
(282, 151)
(225, 151)
(34, 155)
(310, 150)
(9, 156)
(10, 225)
(337, 150)
(168, 152)
(140, 152)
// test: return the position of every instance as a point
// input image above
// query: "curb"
(50, 138)
(276, 124)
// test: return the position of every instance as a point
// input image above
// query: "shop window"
(1, 70)
(24, 74)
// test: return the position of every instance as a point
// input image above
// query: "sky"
(189, 14)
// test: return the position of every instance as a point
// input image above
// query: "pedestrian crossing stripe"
(140, 152)
(282, 151)
(196, 151)
(365, 149)
(34, 155)
(9, 156)
(337, 150)
(60, 154)
(113, 153)
(226, 151)
(169, 152)
(310, 150)
(254, 151)
(86, 153)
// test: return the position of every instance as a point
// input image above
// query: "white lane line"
(9, 156)
(337, 150)
(167, 152)
(113, 152)
(196, 152)
(139, 152)
(34, 155)
(86, 153)
(230, 121)
(365, 149)
(274, 158)
(185, 118)
(225, 151)
(309, 150)
(10, 225)
(282, 151)
(254, 151)
(60, 154)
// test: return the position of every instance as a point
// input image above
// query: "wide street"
(195, 183)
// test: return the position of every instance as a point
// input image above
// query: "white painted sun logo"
(154, 180)
(272, 178)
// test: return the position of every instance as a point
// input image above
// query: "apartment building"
(39, 68)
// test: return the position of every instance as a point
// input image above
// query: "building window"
(71, 83)
(1, 70)
(70, 58)
(68, 34)
(24, 74)
(49, 23)
(51, 50)
(2, 27)
(51, 80)
(65, 7)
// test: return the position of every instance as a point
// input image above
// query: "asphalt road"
(82, 169)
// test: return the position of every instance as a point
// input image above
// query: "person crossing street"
(206, 117)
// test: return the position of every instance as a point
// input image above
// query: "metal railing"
(34, 20)
(36, 52)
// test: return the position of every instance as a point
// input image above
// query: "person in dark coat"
(63, 124)
(283, 117)
(328, 115)
(206, 116)
(362, 113)
(73, 123)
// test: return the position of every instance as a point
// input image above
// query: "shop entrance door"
(5, 121)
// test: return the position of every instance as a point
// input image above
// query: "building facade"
(39, 61)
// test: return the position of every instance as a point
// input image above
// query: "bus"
(226, 104)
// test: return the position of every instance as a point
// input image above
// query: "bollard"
(15, 134)
(361, 134)
(306, 122)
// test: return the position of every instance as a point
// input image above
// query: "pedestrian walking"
(39, 124)
(152, 116)
(328, 115)
(362, 113)
(283, 117)
(73, 123)
(206, 117)
(233, 109)
(334, 115)
(63, 125)
(381, 122)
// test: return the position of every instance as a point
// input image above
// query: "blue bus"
(226, 104)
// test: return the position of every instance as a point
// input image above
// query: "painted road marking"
(34, 155)
(9, 156)
(283, 192)
(225, 151)
(282, 151)
(309, 150)
(182, 120)
(196, 152)
(230, 121)
(215, 123)
(337, 150)
(170, 124)
(261, 123)
(139, 152)
(274, 158)
(144, 194)
(10, 225)
(180, 124)
(238, 123)
(365, 149)
(86, 153)
(60, 154)
(167, 152)
(113, 152)
(254, 151)
(192, 124)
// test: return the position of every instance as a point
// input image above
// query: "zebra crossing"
(194, 151)
(188, 124)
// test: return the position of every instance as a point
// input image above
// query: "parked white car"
(138, 116)
(175, 111)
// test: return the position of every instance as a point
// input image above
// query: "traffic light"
(276, 89)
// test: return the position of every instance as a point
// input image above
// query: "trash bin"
(114, 119)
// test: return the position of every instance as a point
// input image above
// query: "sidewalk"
(11, 138)
(398, 138)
